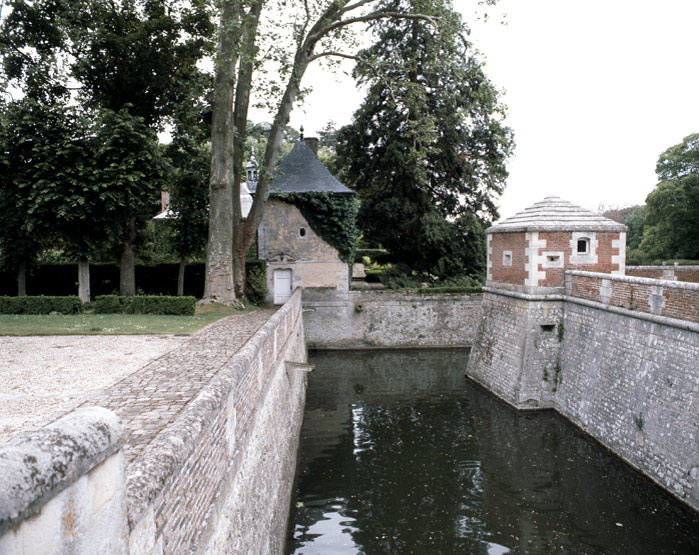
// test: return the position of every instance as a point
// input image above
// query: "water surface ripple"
(400, 454)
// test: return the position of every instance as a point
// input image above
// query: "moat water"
(401, 454)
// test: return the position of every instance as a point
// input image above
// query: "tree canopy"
(427, 149)
(667, 226)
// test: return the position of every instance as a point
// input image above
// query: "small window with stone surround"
(552, 259)
(507, 258)
(583, 245)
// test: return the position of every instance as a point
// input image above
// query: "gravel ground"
(42, 376)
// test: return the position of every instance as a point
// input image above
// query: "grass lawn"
(112, 324)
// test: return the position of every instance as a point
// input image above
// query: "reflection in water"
(400, 454)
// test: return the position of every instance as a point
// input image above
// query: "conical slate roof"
(555, 214)
(302, 172)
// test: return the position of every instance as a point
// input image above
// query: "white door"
(282, 286)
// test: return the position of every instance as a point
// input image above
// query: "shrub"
(152, 304)
(40, 305)
(256, 281)
(144, 304)
(399, 276)
(375, 255)
(109, 304)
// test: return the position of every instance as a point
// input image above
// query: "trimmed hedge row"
(40, 305)
(144, 304)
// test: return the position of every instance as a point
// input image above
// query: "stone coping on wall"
(655, 318)
(637, 280)
(665, 267)
(148, 474)
(38, 466)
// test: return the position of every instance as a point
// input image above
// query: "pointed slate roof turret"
(302, 172)
(555, 214)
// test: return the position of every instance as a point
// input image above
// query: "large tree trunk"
(22, 278)
(127, 264)
(84, 280)
(240, 119)
(218, 284)
(180, 278)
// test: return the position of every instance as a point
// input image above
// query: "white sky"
(595, 89)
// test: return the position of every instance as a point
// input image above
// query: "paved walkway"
(150, 398)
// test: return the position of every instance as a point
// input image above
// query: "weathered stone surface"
(629, 378)
(370, 319)
(35, 468)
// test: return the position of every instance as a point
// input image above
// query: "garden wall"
(671, 273)
(388, 319)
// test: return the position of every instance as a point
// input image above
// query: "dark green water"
(400, 454)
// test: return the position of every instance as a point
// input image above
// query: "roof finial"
(301, 132)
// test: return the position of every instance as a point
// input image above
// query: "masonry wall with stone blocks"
(516, 354)
(62, 488)
(669, 273)
(388, 319)
(633, 384)
(191, 488)
(672, 299)
(629, 378)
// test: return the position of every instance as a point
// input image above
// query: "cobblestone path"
(151, 398)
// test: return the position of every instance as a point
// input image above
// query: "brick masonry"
(672, 299)
(671, 273)
(540, 259)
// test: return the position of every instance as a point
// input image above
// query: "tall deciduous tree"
(190, 160)
(229, 238)
(669, 221)
(428, 144)
(129, 58)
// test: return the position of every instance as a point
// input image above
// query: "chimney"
(312, 142)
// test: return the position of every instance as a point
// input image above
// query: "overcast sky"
(595, 89)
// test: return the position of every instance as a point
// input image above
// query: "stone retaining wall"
(216, 480)
(388, 319)
(629, 378)
(633, 384)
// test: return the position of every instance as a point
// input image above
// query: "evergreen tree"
(427, 149)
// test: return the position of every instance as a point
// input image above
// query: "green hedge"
(144, 304)
(40, 305)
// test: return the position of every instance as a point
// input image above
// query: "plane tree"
(318, 30)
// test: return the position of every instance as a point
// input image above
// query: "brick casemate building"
(531, 251)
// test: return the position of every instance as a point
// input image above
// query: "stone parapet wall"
(62, 488)
(217, 479)
(179, 490)
(671, 299)
(388, 319)
(669, 273)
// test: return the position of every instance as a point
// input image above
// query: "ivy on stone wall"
(333, 216)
